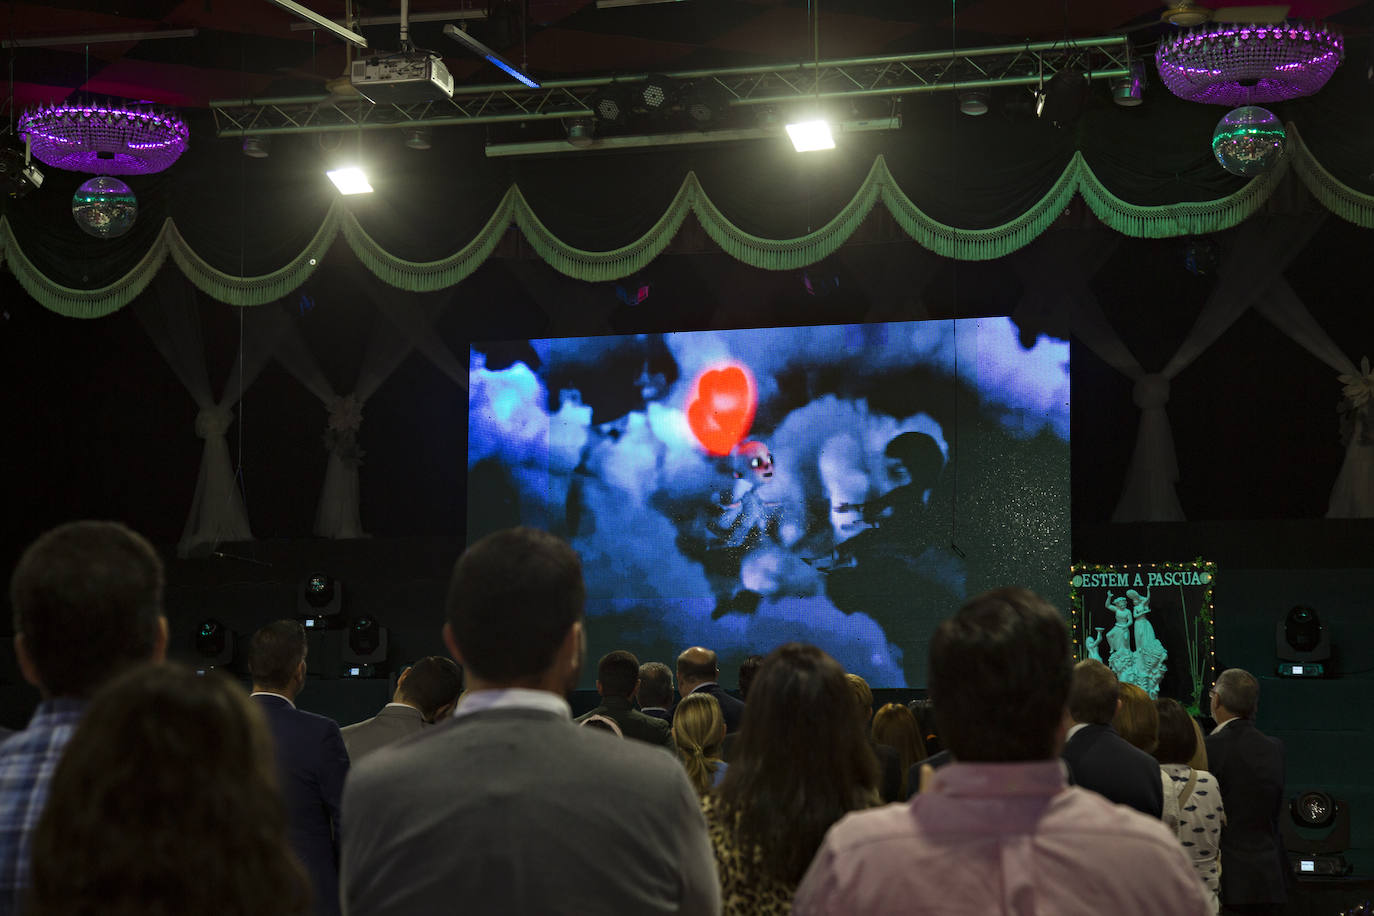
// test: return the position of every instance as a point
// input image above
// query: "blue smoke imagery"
(847, 486)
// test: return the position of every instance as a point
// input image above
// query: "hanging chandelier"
(1233, 64)
(104, 138)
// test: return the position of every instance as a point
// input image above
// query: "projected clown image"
(847, 486)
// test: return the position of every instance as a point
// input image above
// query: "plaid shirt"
(27, 762)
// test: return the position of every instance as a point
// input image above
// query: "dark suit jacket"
(731, 708)
(1249, 769)
(633, 723)
(658, 712)
(516, 811)
(393, 723)
(1101, 760)
(311, 764)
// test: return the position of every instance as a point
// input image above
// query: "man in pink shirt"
(999, 830)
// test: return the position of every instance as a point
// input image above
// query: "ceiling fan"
(1186, 14)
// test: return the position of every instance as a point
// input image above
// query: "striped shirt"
(27, 762)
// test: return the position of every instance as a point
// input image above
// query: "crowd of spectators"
(1023, 784)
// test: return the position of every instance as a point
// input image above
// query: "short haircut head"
(1095, 691)
(1137, 720)
(863, 695)
(87, 598)
(655, 685)
(698, 664)
(747, 669)
(275, 652)
(1177, 739)
(999, 675)
(511, 601)
(433, 683)
(618, 672)
(1238, 690)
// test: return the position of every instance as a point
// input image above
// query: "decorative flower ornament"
(346, 414)
(1357, 398)
(1359, 389)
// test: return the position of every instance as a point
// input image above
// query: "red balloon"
(721, 407)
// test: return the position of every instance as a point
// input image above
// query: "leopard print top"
(743, 891)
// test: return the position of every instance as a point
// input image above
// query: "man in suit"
(1099, 759)
(425, 693)
(507, 807)
(87, 600)
(889, 758)
(1249, 767)
(311, 759)
(698, 671)
(656, 690)
(617, 680)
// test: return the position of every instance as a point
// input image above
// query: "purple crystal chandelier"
(104, 138)
(1233, 64)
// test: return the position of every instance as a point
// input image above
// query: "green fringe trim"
(1191, 218)
(1341, 199)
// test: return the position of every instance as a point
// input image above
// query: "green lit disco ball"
(1248, 141)
(104, 207)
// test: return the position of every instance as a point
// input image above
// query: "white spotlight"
(350, 180)
(808, 136)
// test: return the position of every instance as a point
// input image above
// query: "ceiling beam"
(851, 78)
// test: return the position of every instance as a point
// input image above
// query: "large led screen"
(847, 486)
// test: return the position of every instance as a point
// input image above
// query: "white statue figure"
(1150, 654)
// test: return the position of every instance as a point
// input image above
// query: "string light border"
(104, 138)
(1206, 571)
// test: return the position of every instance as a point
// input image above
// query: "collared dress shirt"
(1009, 838)
(27, 763)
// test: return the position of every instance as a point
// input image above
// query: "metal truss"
(891, 76)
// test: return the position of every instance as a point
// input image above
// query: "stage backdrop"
(847, 486)
(1152, 624)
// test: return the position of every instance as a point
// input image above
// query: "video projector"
(401, 78)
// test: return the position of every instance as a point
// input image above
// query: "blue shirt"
(27, 762)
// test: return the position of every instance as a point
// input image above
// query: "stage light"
(350, 180)
(366, 650)
(581, 132)
(1316, 830)
(214, 644)
(611, 104)
(257, 147)
(481, 50)
(1064, 97)
(1129, 91)
(657, 93)
(974, 102)
(418, 137)
(812, 135)
(319, 597)
(1302, 643)
(706, 101)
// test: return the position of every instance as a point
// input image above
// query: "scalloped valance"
(770, 254)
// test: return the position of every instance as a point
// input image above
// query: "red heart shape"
(721, 407)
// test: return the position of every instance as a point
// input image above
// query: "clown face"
(753, 461)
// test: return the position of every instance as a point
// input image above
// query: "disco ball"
(1248, 141)
(104, 207)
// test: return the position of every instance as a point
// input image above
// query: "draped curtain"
(878, 188)
(171, 317)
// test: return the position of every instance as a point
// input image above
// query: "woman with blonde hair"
(895, 726)
(166, 803)
(698, 732)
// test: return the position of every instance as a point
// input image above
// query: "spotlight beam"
(481, 50)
